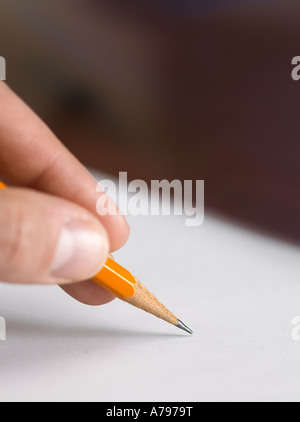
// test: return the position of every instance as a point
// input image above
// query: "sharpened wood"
(146, 301)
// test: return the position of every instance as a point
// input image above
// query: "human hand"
(49, 230)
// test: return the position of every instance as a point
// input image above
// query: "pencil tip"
(183, 327)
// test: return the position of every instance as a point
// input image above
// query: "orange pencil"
(121, 283)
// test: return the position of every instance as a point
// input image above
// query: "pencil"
(122, 284)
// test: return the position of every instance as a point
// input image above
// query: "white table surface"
(237, 289)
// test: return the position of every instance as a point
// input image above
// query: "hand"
(49, 230)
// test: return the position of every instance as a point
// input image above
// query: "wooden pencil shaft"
(146, 301)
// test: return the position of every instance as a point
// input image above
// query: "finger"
(47, 240)
(88, 293)
(31, 156)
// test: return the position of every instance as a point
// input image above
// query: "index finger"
(32, 156)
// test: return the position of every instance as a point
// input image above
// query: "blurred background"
(170, 89)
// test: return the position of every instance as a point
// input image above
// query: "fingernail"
(81, 252)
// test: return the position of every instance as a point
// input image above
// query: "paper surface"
(238, 290)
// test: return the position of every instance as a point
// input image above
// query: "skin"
(52, 183)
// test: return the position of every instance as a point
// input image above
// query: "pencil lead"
(183, 327)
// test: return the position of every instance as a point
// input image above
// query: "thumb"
(47, 240)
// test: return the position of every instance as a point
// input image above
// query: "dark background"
(175, 90)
